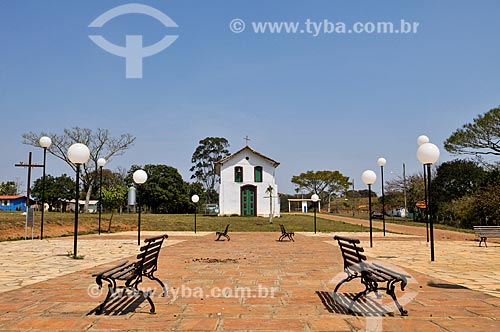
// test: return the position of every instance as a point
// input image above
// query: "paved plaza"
(251, 283)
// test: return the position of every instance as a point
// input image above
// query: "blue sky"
(330, 102)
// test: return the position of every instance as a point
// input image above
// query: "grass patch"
(62, 224)
(408, 222)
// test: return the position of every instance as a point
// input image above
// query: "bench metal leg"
(152, 277)
(392, 293)
(483, 239)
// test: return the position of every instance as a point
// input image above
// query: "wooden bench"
(224, 233)
(285, 234)
(131, 273)
(484, 232)
(373, 276)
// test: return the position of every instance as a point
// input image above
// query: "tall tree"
(56, 189)
(113, 198)
(481, 137)
(414, 190)
(8, 188)
(322, 183)
(165, 191)
(455, 179)
(209, 151)
(100, 143)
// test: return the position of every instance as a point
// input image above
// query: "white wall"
(230, 191)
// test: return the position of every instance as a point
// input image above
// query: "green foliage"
(56, 189)
(455, 179)
(321, 183)
(209, 151)
(365, 193)
(114, 197)
(414, 185)
(485, 206)
(165, 191)
(8, 188)
(481, 137)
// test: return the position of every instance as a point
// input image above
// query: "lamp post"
(315, 199)
(195, 199)
(78, 154)
(100, 163)
(45, 143)
(140, 177)
(368, 177)
(422, 139)
(428, 154)
(381, 162)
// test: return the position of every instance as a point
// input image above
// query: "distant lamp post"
(45, 143)
(100, 163)
(428, 154)
(422, 139)
(140, 177)
(381, 162)
(78, 154)
(195, 199)
(369, 177)
(315, 199)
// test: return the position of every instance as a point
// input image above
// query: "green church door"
(248, 203)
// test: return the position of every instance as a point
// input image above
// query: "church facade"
(245, 179)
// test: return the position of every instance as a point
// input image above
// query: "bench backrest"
(283, 231)
(147, 259)
(487, 231)
(351, 252)
(227, 228)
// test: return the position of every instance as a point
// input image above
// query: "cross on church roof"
(246, 140)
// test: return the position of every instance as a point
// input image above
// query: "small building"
(304, 202)
(92, 207)
(245, 179)
(13, 203)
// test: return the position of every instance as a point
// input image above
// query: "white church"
(245, 177)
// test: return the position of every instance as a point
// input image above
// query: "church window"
(238, 174)
(258, 174)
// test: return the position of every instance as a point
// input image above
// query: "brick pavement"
(297, 276)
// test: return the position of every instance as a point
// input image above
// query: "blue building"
(13, 203)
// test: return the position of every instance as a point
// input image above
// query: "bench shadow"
(343, 303)
(120, 305)
(445, 285)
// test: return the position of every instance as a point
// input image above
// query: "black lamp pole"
(430, 210)
(426, 204)
(314, 204)
(383, 197)
(195, 208)
(138, 216)
(77, 205)
(100, 198)
(43, 192)
(370, 211)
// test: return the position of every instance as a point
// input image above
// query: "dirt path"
(410, 230)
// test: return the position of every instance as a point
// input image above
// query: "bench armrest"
(112, 269)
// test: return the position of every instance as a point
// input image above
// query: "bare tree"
(100, 144)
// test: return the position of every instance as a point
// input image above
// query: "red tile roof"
(12, 196)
